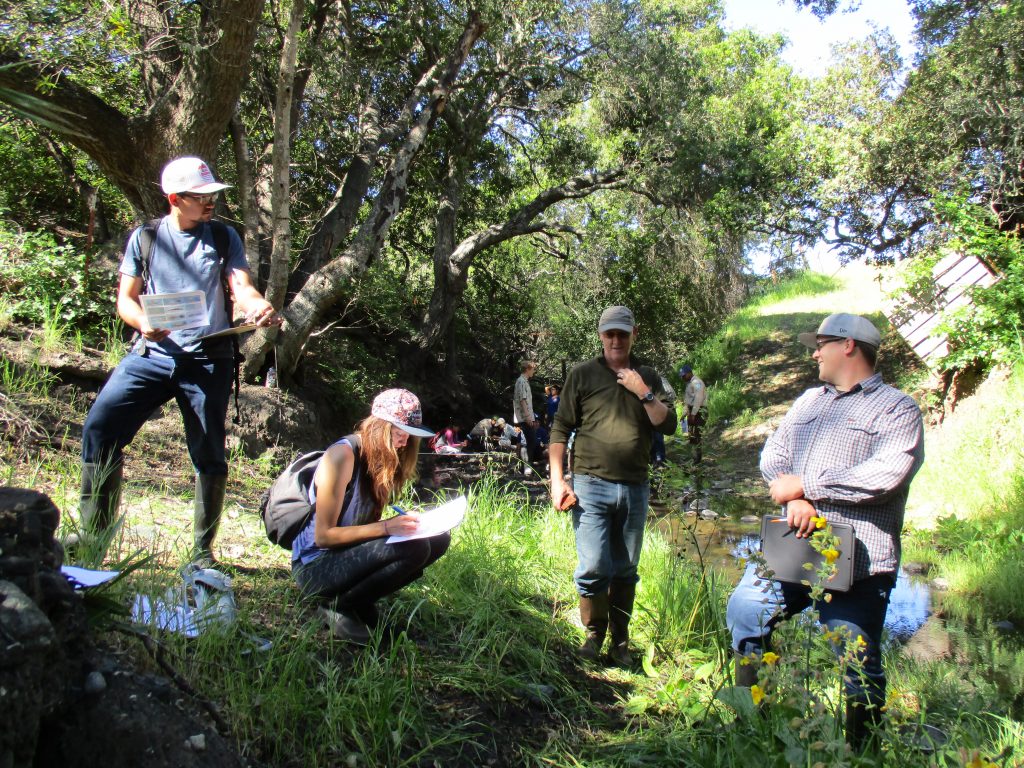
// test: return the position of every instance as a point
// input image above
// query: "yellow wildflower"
(977, 761)
(830, 555)
(769, 657)
(819, 522)
(756, 693)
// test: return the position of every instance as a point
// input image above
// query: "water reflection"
(909, 607)
(724, 543)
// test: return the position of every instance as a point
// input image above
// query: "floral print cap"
(401, 408)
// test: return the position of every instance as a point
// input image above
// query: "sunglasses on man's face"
(206, 199)
(822, 342)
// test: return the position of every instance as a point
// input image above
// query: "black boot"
(208, 505)
(863, 724)
(620, 599)
(594, 615)
(97, 508)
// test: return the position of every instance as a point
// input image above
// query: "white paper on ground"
(166, 614)
(436, 520)
(82, 578)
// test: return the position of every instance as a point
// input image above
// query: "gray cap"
(616, 319)
(843, 326)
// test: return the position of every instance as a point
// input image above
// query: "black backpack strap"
(147, 236)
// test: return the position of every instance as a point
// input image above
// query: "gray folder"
(786, 554)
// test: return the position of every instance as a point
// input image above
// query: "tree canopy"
(445, 188)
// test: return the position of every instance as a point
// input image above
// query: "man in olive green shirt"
(614, 405)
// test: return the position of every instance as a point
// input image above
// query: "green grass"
(486, 672)
(971, 491)
(715, 358)
(487, 669)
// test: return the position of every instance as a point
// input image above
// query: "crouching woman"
(342, 555)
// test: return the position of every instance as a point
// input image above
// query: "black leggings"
(360, 575)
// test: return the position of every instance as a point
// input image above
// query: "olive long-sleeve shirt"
(613, 431)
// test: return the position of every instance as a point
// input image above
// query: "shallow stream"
(721, 531)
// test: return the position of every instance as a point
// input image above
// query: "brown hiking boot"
(594, 615)
(620, 599)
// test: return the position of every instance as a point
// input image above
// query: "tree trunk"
(188, 111)
(246, 193)
(451, 274)
(330, 283)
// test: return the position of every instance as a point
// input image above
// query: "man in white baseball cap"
(189, 174)
(846, 452)
(843, 326)
(185, 251)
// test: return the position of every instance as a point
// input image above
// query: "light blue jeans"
(757, 605)
(609, 523)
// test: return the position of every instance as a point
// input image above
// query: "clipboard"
(238, 329)
(785, 554)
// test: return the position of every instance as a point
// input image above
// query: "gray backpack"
(285, 506)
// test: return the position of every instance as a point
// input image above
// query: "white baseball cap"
(189, 174)
(844, 326)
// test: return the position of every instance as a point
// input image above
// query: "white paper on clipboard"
(175, 311)
(436, 520)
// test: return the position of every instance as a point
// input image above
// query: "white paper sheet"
(436, 520)
(82, 578)
(175, 311)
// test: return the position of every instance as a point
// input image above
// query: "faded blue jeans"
(608, 520)
(139, 385)
(754, 610)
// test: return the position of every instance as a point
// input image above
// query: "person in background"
(694, 399)
(497, 430)
(168, 364)
(614, 404)
(479, 435)
(453, 439)
(846, 452)
(658, 439)
(554, 395)
(342, 557)
(522, 411)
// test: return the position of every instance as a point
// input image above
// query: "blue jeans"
(657, 447)
(754, 610)
(140, 385)
(608, 519)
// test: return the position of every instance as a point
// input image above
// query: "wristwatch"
(649, 397)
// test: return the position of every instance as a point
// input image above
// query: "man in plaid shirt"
(845, 452)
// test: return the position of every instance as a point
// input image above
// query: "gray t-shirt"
(186, 260)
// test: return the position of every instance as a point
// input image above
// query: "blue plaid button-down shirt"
(856, 453)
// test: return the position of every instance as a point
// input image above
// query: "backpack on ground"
(285, 506)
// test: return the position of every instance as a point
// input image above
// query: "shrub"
(44, 281)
